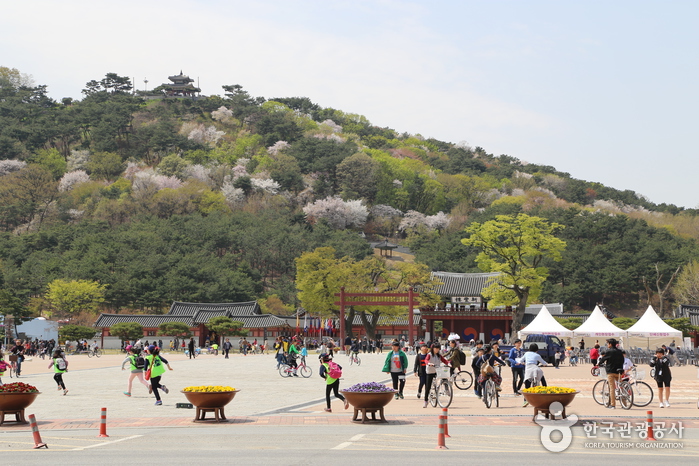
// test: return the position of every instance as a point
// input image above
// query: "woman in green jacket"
(396, 364)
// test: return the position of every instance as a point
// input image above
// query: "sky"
(605, 91)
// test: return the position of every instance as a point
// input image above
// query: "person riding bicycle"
(454, 353)
(613, 359)
(433, 360)
(484, 367)
(291, 357)
(354, 348)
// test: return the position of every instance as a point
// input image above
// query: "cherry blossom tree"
(77, 160)
(9, 166)
(70, 179)
(278, 147)
(338, 213)
(222, 114)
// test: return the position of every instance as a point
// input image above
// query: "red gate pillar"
(342, 318)
(410, 316)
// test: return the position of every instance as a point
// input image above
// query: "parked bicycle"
(642, 392)
(463, 380)
(623, 392)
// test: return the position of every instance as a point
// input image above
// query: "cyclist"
(291, 357)
(433, 360)
(487, 359)
(354, 349)
(613, 360)
(454, 353)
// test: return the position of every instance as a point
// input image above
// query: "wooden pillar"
(342, 317)
(482, 328)
(410, 316)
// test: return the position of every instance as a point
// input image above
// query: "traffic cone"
(35, 432)
(445, 413)
(441, 445)
(103, 423)
(649, 421)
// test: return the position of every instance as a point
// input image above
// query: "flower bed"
(549, 390)
(369, 387)
(208, 389)
(18, 387)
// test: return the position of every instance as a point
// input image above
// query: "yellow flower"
(209, 388)
(549, 390)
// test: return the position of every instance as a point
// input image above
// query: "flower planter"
(542, 401)
(210, 402)
(15, 403)
(368, 403)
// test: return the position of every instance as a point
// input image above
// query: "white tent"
(545, 324)
(651, 329)
(598, 326)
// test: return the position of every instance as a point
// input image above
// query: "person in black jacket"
(613, 360)
(663, 376)
(419, 368)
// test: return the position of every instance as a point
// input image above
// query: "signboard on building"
(466, 299)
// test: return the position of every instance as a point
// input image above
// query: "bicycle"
(441, 393)
(285, 370)
(94, 352)
(594, 371)
(354, 359)
(642, 392)
(463, 380)
(490, 391)
(13, 365)
(623, 392)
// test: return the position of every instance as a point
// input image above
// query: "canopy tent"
(598, 326)
(545, 324)
(650, 328)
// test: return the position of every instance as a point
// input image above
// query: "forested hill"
(212, 199)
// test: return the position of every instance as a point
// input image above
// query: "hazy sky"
(605, 90)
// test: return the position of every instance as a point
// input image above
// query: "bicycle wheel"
(285, 370)
(642, 394)
(487, 397)
(625, 395)
(359, 361)
(594, 371)
(12, 371)
(98, 353)
(445, 394)
(598, 392)
(305, 371)
(351, 360)
(463, 380)
(652, 372)
(90, 354)
(433, 396)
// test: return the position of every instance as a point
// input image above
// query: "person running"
(332, 382)
(420, 368)
(396, 364)
(663, 376)
(136, 365)
(60, 367)
(433, 360)
(156, 362)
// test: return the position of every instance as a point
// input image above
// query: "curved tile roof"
(148, 321)
(462, 284)
(189, 309)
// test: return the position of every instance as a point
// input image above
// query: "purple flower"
(369, 387)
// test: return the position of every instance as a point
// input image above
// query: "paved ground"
(268, 402)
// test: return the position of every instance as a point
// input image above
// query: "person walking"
(136, 365)
(156, 363)
(613, 359)
(190, 347)
(18, 350)
(532, 372)
(60, 367)
(594, 354)
(663, 376)
(396, 364)
(420, 369)
(331, 372)
(517, 367)
(433, 360)
(227, 345)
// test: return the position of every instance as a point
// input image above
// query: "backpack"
(139, 362)
(462, 358)
(3, 366)
(61, 364)
(334, 370)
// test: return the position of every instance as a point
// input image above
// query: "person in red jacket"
(594, 355)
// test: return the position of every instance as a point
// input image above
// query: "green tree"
(26, 195)
(174, 329)
(624, 322)
(686, 288)
(571, 323)
(683, 325)
(76, 333)
(75, 296)
(225, 326)
(11, 305)
(105, 166)
(127, 330)
(52, 160)
(516, 248)
(357, 177)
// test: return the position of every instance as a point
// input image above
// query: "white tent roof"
(650, 325)
(545, 324)
(597, 325)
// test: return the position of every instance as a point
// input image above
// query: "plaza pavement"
(268, 399)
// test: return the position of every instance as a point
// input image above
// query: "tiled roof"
(146, 320)
(189, 309)
(462, 284)
(262, 321)
(693, 318)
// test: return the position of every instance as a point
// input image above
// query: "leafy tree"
(75, 296)
(127, 330)
(684, 325)
(26, 195)
(15, 78)
(515, 247)
(174, 329)
(76, 332)
(273, 305)
(571, 323)
(624, 322)
(11, 305)
(105, 166)
(52, 160)
(686, 288)
(225, 326)
(357, 177)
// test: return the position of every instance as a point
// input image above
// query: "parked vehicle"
(548, 345)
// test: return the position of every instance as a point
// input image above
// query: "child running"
(155, 361)
(137, 363)
(3, 366)
(60, 367)
(331, 383)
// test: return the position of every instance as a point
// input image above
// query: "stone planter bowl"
(373, 400)
(207, 400)
(544, 400)
(16, 401)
